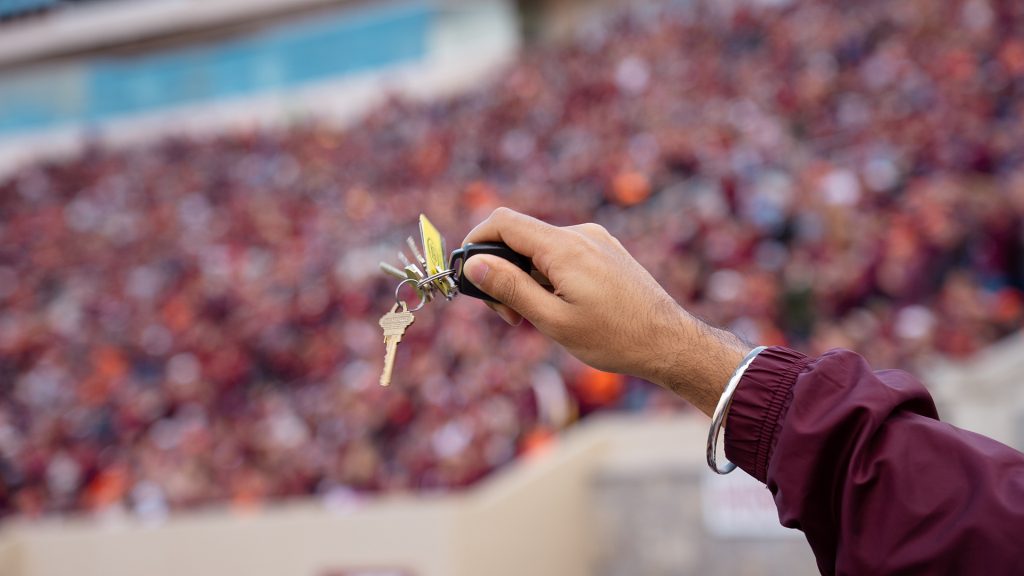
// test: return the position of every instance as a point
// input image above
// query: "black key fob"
(459, 257)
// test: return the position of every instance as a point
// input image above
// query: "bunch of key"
(432, 275)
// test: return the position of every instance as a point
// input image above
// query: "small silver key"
(404, 259)
(416, 252)
(412, 272)
(389, 269)
(394, 324)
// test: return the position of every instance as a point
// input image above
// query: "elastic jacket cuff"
(759, 406)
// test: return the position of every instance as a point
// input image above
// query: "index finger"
(524, 234)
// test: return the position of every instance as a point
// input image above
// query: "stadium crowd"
(194, 321)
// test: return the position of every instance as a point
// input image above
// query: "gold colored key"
(394, 324)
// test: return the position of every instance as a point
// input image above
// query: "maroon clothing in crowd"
(859, 461)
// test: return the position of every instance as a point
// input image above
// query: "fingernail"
(476, 269)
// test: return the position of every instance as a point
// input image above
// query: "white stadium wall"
(562, 512)
(8, 558)
(984, 394)
(531, 519)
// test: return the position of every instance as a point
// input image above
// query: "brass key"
(394, 324)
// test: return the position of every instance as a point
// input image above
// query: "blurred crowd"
(194, 321)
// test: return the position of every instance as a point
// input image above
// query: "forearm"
(698, 360)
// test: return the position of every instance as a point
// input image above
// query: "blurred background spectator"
(193, 321)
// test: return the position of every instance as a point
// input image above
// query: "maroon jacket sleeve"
(859, 461)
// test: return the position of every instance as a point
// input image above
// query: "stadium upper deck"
(74, 27)
(128, 71)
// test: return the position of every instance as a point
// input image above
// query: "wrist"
(696, 360)
(719, 416)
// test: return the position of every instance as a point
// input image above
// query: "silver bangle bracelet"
(723, 407)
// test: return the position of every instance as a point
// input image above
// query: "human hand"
(605, 309)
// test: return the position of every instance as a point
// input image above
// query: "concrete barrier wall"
(986, 393)
(535, 517)
(302, 539)
(8, 560)
(536, 520)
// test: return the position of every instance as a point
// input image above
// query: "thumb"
(508, 284)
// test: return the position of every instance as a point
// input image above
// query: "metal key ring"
(431, 278)
(423, 299)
